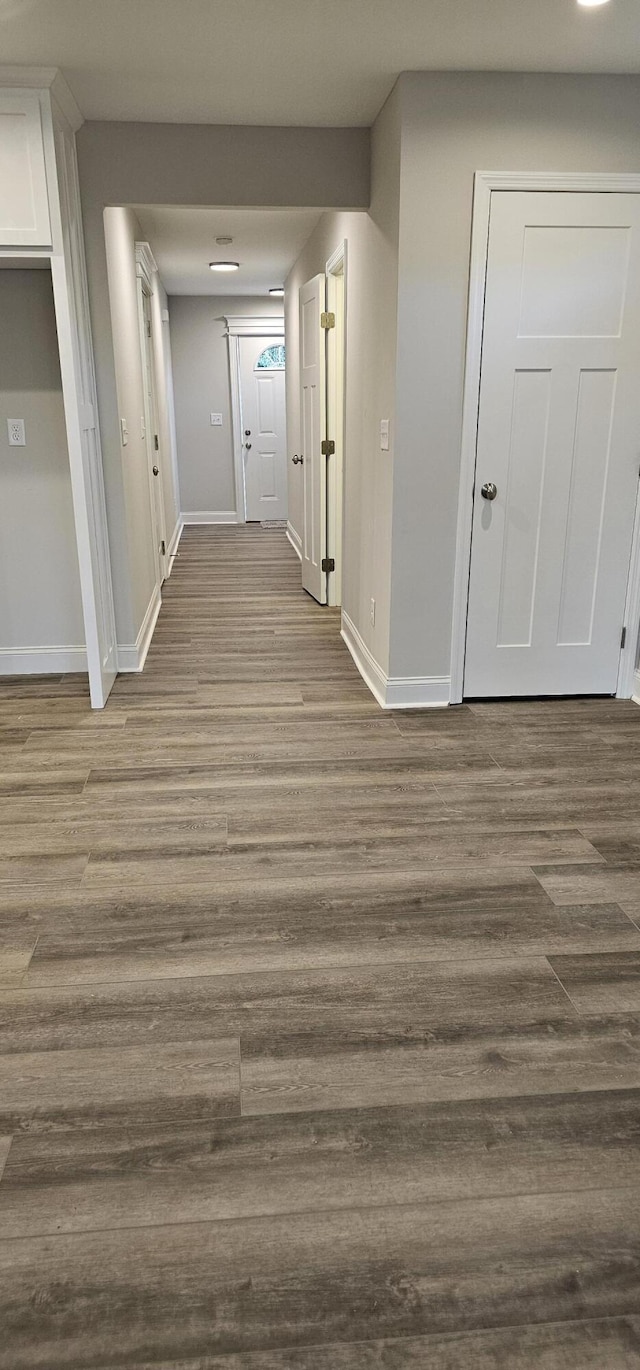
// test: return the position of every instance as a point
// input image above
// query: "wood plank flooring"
(319, 1026)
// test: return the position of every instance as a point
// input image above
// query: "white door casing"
(559, 434)
(152, 438)
(312, 432)
(264, 435)
(71, 298)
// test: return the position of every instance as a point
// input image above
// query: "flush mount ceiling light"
(224, 266)
(277, 290)
(592, 4)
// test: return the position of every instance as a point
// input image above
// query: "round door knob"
(297, 461)
(248, 446)
(489, 490)
(155, 471)
(247, 432)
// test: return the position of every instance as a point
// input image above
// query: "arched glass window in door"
(272, 359)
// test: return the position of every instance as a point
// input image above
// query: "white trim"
(146, 265)
(336, 344)
(42, 660)
(636, 687)
(485, 183)
(418, 692)
(173, 544)
(209, 516)
(294, 539)
(254, 326)
(372, 674)
(132, 656)
(236, 427)
(46, 78)
(394, 692)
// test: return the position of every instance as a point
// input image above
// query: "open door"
(313, 423)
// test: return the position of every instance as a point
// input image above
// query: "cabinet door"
(24, 205)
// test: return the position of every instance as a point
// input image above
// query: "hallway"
(319, 1025)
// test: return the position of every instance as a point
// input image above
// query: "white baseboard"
(42, 660)
(132, 655)
(636, 688)
(174, 542)
(372, 674)
(208, 516)
(295, 540)
(394, 692)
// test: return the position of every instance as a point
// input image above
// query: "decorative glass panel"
(272, 359)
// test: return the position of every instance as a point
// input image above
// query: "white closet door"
(559, 438)
(312, 426)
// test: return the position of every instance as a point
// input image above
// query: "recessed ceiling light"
(277, 290)
(224, 266)
(592, 4)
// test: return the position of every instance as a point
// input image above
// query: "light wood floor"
(319, 1026)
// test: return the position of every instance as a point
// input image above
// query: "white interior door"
(312, 431)
(559, 438)
(264, 428)
(153, 442)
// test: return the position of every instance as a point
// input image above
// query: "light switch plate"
(384, 435)
(216, 420)
(15, 429)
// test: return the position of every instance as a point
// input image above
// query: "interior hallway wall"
(371, 343)
(40, 604)
(452, 125)
(200, 351)
(144, 163)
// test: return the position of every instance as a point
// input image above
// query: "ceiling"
(266, 242)
(320, 62)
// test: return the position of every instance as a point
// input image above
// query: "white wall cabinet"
(25, 220)
(40, 218)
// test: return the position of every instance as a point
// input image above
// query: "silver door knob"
(489, 490)
(155, 470)
(247, 432)
(297, 461)
(248, 446)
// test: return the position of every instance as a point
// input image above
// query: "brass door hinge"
(327, 320)
(328, 564)
(328, 447)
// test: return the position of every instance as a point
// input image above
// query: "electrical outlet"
(15, 429)
(372, 613)
(216, 420)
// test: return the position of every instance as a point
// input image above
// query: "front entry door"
(264, 438)
(558, 445)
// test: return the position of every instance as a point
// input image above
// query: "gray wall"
(131, 163)
(371, 340)
(40, 603)
(201, 386)
(453, 125)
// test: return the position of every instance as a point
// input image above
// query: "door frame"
(146, 269)
(336, 271)
(485, 183)
(244, 326)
